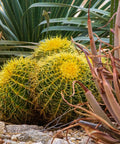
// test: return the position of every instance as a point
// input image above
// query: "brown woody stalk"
(117, 34)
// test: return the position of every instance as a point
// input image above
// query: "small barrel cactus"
(57, 74)
(18, 79)
(53, 46)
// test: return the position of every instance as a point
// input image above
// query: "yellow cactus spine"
(53, 46)
(57, 74)
(17, 90)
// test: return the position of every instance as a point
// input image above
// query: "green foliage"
(23, 21)
(114, 6)
(17, 89)
(57, 73)
(10, 49)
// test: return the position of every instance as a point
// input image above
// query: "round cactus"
(52, 46)
(57, 74)
(18, 79)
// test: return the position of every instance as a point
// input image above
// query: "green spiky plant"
(52, 46)
(22, 22)
(17, 84)
(57, 73)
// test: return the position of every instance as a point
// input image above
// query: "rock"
(84, 140)
(31, 143)
(37, 143)
(24, 137)
(34, 136)
(21, 137)
(21, 128)
(6, 141)
(5, 136)
(2, 127)
(58, 141)
(1, 141)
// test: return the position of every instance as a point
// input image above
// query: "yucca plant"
(104, 125)
(24, 21)
(10, 49)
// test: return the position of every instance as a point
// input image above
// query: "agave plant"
(24, 21)
(106, 127)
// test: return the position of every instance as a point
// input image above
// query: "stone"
(1, 141)
(58, 141)
(37, 143)
(21, 137)
(5, 136)
(6, 141)
(24, 137)
(34, 136)
(21, 128)
(2, 127)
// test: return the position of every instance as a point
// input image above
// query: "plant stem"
(117, 34)
(114, 6)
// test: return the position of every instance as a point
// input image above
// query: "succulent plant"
(53, 46)
(57, 74)
(18, 79)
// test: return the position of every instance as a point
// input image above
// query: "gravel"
(32, 134)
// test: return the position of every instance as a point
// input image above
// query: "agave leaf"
(96, 107)
(111, 99)
(5, 19)
(117, 34)
(50, 4)
(100, 11)
(113, 9)
(7, 31)
(15, 53)
(99, 132)
(63, 28)
(87, 39)
(115, 79)
(8, 42)
(92, 42)
(89, 112)
(9, 10)
(104, 137)
(101, 128)
(92, 101)
(14, 47)
(71, 20)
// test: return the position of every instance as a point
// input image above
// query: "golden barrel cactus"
(57, 74)
(18, 79)
(53, 46)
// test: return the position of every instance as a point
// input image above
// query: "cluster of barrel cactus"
(57, 74)
(31, 88)
(52, 46)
